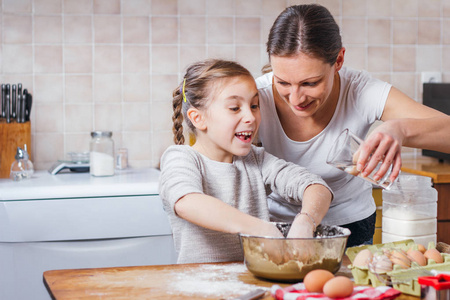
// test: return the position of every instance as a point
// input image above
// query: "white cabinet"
(70, 221)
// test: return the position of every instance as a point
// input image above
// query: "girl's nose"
(249, 116)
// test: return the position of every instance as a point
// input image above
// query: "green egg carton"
(363, 276)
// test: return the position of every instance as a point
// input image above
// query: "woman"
(309, 98)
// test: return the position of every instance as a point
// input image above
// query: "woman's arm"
(406, 123)
(210, 212)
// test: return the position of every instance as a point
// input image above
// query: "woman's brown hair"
(309, 29)
(198, 84)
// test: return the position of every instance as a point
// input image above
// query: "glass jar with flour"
(101, 154)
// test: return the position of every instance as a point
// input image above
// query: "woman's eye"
(309, 83)
(255, 106)
(282, 83)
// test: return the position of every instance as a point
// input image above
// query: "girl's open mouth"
(244, 135)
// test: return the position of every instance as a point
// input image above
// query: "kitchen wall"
(112, 64)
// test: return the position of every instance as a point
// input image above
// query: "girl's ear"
(196, 118)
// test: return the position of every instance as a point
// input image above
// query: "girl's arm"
(406, 123)
(210, 212)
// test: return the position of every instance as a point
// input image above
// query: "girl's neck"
(210, 152)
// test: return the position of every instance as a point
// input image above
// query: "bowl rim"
(346, 234)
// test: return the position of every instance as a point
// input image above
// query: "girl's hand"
(383, 144)
(302, 227)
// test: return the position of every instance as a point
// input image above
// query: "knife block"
(12, 135)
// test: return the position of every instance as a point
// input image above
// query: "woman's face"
(304, 82)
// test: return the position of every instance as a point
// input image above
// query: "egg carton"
(396, 277)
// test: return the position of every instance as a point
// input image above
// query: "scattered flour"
(212, 280)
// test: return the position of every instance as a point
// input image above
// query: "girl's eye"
(234, 108)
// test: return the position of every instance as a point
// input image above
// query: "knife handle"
(2, 115)
(13, 101)
(8, 109)
(19, 108)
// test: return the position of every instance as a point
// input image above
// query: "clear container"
(410, 210)
(101, 155)
(22, 167)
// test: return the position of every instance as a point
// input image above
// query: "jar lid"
(101, 134)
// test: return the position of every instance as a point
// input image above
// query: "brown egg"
(338, 287)
(363, 258)
(434, 255)
(417, 256)
(316, 279)
(421, 248)
(399, 257)
(383, 264)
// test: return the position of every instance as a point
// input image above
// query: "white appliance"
(74, 220)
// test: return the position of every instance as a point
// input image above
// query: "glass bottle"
(101, 154)
(22, 167)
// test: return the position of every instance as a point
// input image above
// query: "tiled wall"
(112, 64)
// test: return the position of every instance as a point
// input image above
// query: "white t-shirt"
(361, 102)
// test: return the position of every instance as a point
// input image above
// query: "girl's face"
(305, 83)
(231, 119)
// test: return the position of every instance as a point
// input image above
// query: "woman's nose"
(294, 95)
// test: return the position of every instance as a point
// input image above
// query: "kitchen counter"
(183, 281)
(440, 175)
(43, 185)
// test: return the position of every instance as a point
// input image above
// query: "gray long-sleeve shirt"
(243, 184)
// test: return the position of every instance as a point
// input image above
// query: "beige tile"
(164, 59)
(446, 61)
(354, 31)
(47, 29)
(405, 8)
(77, 29)
(163, 87)
(46, 7)
(49, 147)
(162, 116)
(164, 7)
(248, 56)
(222, 51)
(107, 59)
(428, 58)
(48, 59)
(17, 32)
(446, 77)
(136, 7)
(135, 30)
(430, 8)
(191, 54)
(78, 118)
(108, 117)
(13, 65)
(78, 59)
(220, 7)
(405, 82)
(248, 7)
(192, 30)
(192, 7)
(379, 59)
(160, 141)
(273, 7)
(136, 116)
(139, 146)
(404, 59)
(354, 8)
(379, 8)
(25, 80)
(78, 6)
(405, 31)
(164, 30)
(15, 6)
(48, 88)
(49, 117)
(248, 30)
(77, 142)
(446, 32)
(220, 30)
(136, 59)
(379, 31)
(107, 29)
(334, 6)
(107, 88)
(355, 57)
(78, 88)
(446, 9)
(429, 32)
(136, 87)
(107, 6)
(266, 25)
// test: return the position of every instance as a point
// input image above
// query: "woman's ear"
(340, 59)
(196, 118)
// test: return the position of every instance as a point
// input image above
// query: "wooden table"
(440, 175)
(188, 281)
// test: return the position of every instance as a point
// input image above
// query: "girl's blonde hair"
(196, 88)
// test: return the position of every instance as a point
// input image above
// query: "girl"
(218, 187)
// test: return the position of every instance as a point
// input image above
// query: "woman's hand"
(384, 145)
(302, 227)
